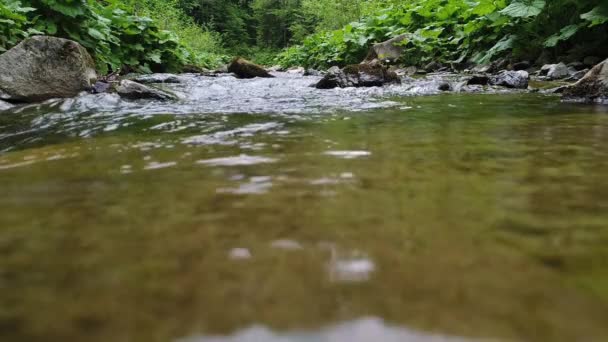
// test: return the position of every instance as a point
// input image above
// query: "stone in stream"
(100, 87)
(555, 71)
(313, 72)
(578, 66)
(358, 75)
(41, 68)
(578, 75)
(478, 80)
(156, 78)
(135, 91)
(390, 50)
(243, 68)
(592, 88)
(444, 86)
(511, 79)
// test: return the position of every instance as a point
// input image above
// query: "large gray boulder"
(592, 88)
(511, 79)
(243, 68)
(390, 50)
(555, 71)
(135, 91)
(42, 67)
(358, 75)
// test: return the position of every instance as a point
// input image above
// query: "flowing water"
(266, 210)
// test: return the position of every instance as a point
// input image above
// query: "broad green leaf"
(564, 34)
(597, 16)
(96, 34)
(524, 8)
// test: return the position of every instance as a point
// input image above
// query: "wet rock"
(578, 75)
(523, 65)
(593, 87)
(482, 68)
(511, 79)
(591, 61)
(313, 72)
(5, 106)
(157, 78)
(298, 70)
(357, 75)
(555, 71)
(243, 68)
(578, 66)
(444, 86)
(192, 69)
(100, 87)
(135, 91)
(479, 80)
(41, 68)
(388, 51)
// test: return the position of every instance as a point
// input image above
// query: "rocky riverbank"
(43, 68)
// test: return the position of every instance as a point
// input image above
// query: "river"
(267, 210)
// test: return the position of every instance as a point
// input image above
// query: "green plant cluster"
(457, 31)
(109, 29)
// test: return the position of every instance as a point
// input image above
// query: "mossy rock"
(591, 88)
(243, 68)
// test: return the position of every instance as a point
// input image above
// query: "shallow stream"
(266, 210)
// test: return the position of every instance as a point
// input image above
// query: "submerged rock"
(444, 86)
(482, 68)
(135, 91)
(593, 87)
(511, 79)
(157, 78)
(390, 50)
(5, 105)
(243, 68)
(41, 68)
(100, 87)
(358, 75)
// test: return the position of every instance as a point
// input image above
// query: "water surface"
(351, 216)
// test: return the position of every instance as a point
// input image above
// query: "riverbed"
(267, 210)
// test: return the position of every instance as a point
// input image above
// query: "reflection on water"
(479, 216)
(362, 330)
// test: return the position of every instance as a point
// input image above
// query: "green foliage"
(13, 23)
(456, 31)
(597, 16)
(109, 29)
(524, 8)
